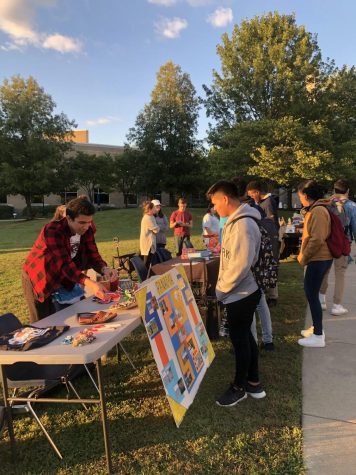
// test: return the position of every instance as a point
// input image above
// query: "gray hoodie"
(241, 240)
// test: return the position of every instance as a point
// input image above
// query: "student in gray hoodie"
(237, 288)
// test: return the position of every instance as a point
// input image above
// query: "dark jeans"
(60, 306)
(240, 316)
(313, 278)
(180, 242)
(160, 245)
(147, 260)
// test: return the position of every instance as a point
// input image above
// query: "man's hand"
(110, 273)
(97, 288)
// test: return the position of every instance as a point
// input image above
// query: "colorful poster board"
(179, 342)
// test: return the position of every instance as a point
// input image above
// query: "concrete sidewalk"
(329, 389)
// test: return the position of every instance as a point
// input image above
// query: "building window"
(67, 196)
(158, 196)
(131, 199)
(37, 199)
(197, 200)
(100, 197)
(3, 199)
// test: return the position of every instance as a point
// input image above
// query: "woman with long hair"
(314, 255)
(149, 229)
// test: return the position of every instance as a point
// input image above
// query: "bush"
(106, 207)
(40, 211)
(6, 212)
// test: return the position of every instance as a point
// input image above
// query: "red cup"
(114, 285)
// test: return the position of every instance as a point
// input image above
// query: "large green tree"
(270, 67)
(279, 111)
(34, 140)
(128, 174)
(92, 171)
(165, 133)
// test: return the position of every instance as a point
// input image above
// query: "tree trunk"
(28, 206)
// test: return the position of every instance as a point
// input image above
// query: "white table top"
(58, 353)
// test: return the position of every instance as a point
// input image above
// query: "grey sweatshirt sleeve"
(238, 255)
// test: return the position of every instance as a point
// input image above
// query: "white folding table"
(58, 353)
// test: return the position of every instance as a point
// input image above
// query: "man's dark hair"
(312, 189)
(240, 184)
(257, 185)
(78, 206)
(226, 187)
(341, 187)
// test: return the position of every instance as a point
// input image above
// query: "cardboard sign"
(179, 342)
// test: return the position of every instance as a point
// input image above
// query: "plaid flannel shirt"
(49, 264)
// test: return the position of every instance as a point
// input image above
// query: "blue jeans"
(265, 319)
(313, 278)
(180, 242)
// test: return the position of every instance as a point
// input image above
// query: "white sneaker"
(313, 341)
(338, 309)
(322, 299)
(309, 331)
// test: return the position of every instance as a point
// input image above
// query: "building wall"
(116, 199)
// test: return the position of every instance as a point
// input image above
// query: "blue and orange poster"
(180, 344)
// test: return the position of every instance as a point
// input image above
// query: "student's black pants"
(240, 316)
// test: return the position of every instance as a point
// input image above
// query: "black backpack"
(265, 271)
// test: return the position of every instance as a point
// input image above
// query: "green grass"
(256, 437)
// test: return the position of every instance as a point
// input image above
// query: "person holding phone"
(181, 221)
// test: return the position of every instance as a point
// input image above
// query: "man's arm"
(56, 247)
(172, 220)
(243, 242)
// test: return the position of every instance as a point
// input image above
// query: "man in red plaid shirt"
(62, 251)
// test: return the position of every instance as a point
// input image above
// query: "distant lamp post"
(98, 199)
(14, 215)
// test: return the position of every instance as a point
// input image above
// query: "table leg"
(104, 417)
(8, 412)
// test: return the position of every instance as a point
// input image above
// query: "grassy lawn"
(254, 437)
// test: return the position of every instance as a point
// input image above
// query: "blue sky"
(99, 58)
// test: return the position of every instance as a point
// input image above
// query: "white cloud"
(166, 3)
(63, 44)
(220, 17)
(17, 20)
(102, 121)
(198, 3)
(171, 27)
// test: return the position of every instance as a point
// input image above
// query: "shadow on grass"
(253, 437)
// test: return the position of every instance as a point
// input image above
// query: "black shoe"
(257, 392)
(272, 302)
(232, 396)
(267, 346)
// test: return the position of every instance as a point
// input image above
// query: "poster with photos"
(179, 341)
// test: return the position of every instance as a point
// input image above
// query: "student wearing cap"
(162, 222)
